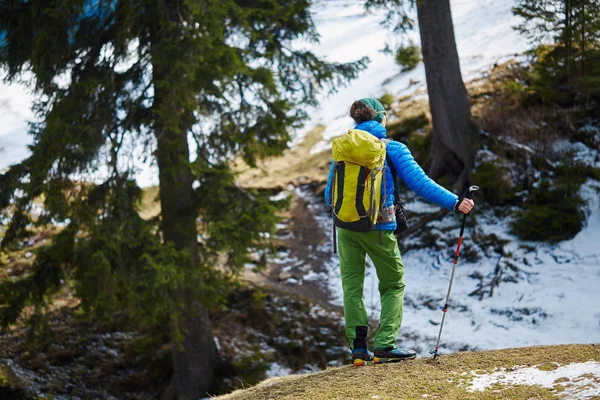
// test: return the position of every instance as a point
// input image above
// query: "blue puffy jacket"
(407, 169)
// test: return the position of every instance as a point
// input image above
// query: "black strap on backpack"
(395, 178)
(401, 219)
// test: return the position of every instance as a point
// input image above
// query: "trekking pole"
(468, 194)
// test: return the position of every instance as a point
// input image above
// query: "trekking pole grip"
(472, 189)
(469, 195)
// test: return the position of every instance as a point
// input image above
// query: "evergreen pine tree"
(566, 34)
(116, 78)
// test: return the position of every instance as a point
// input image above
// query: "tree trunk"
(194, 360)
(583, 38)
(194, 356)
(454, 133)
(568, 44)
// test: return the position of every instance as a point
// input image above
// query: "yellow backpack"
(356, 187)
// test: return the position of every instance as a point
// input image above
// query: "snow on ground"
(579, 153)
(483, 33)
(551, 299)
(578, 380)
(277, 370)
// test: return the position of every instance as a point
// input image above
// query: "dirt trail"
(298, 244)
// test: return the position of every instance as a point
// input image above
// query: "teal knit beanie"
(375, 105)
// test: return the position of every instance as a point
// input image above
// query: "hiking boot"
(361, 356)
(393, 355)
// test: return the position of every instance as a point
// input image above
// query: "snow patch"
(282, 257)
(579, 380)
(313, 276)
(277, 370)
(280, 196)
(577, 152)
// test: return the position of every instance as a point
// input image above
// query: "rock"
(285, 275)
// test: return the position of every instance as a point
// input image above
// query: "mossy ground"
(422, 378)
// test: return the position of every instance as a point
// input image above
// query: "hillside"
(571, 371)
(527, 276)
(509, 290)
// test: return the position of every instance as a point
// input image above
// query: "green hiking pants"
(352, 247)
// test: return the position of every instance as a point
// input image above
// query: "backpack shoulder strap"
(391, 167)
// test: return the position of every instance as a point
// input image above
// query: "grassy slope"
(295, 164)
(422, 378)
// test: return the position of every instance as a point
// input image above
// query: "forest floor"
(263, 332)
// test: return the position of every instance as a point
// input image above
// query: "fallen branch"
(424, 221)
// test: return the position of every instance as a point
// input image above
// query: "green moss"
(387, 100)
(515, 93)
(512, 86)
(408, 57)
(552, 214)
(415, 123)
(548, 223)
(259, 296)
(408, 126)
(554, 209)
(3, 379)
(143, 345)
(575, 175)
(251, 369)
(495, 183)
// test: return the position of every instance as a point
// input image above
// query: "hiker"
(378, 240)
